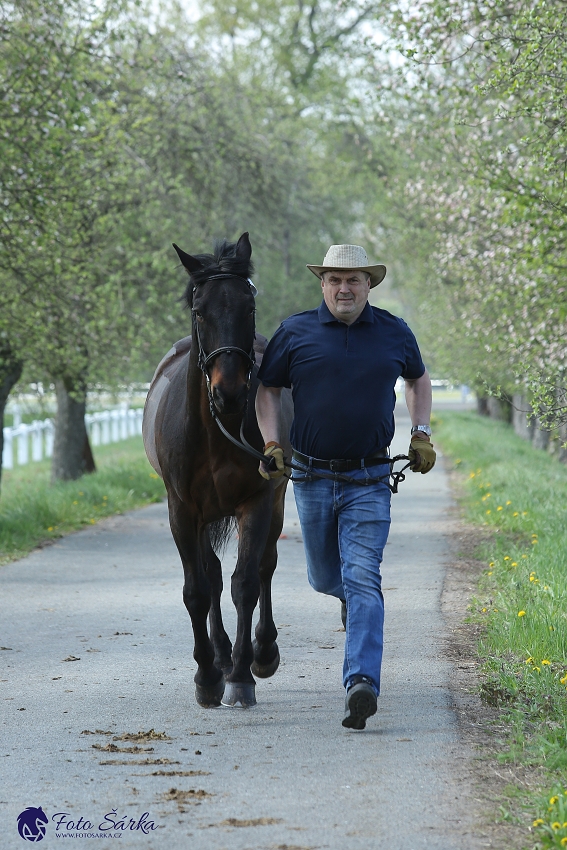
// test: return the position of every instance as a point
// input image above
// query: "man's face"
(345, 293)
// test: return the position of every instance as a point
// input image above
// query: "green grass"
(32, 511)
(520, 493)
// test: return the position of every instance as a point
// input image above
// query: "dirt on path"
(100, 725)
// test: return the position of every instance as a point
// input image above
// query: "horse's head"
(221, 298)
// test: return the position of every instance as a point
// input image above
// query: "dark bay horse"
(209, 480)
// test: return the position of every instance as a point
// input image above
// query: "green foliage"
(33, 512)
(490, 80)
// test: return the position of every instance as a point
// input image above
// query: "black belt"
(341, 465)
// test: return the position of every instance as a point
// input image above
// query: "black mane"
(223, 260)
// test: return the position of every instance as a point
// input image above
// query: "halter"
(205, 359)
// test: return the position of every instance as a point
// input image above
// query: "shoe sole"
(361, 704)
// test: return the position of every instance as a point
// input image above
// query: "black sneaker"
(343, 612)
(360, 703)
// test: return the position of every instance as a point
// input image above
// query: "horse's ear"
(243, 247)
(190, 263)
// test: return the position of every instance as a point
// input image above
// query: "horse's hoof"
(209, 696)
(264, 671)
(239, 694)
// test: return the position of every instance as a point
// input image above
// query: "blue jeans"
(345, 528)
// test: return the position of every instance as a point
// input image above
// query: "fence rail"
(107, 426)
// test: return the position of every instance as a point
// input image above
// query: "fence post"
(49, 428)
(124, 421)
(23, 444)
(36, 429)
(8, 452)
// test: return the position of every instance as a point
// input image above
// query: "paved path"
(110, 597)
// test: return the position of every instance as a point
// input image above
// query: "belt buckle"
(338, 465)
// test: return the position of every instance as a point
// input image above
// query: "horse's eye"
(198, 316)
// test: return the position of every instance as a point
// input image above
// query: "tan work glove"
(274, 450)
(422, 455)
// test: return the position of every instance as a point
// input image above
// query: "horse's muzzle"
(230, 402)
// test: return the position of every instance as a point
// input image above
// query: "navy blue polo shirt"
(342, 378)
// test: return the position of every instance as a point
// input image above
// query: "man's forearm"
(418, 399)
(268, 412)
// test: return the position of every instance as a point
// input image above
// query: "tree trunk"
(541, 436)
(72, 455)
(522, 419)
(10, 371)
(498, 408)
(482, 405)
(562, 454)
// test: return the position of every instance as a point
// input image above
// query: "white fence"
(23, 443)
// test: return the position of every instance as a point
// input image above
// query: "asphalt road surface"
(97, 647)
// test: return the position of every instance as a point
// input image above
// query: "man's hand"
(272, 450)
(422, 455)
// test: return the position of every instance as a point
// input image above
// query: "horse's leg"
(253, 526)
(266, 652)
(219, 637)
(209, 682)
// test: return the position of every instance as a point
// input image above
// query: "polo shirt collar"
(326, 317)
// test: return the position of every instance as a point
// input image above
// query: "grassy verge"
(521, 494)
(32, 511)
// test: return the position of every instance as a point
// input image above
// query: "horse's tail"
(220, 532)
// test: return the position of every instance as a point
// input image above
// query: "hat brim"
(377, 273)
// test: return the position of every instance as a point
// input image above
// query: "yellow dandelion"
(495, 609)
(506, 557)
(491, 564)
(552, 628)
(552, 802)
(472, 475)
(514, 563)
(521, 613)
(523, 556)
(529, 660)
(563, 841)
(105, 498)
(564, 682)
(545, 662)
(538, 669)
(488, 511)
(515, 513)
(499, 508)
(50, 528)
(524, 513)
(556, 825)
(534, 542)
(75, 503)
(153, 475)
(508, 502)
(538, 822)
(532, 578)
(489, 573)
(484, 612)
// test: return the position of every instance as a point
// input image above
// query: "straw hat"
(345, 257)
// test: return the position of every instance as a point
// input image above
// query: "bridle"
(397, 476)
(205, 359)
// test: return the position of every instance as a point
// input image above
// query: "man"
(342, 361)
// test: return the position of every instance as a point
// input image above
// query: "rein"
(397, 476)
